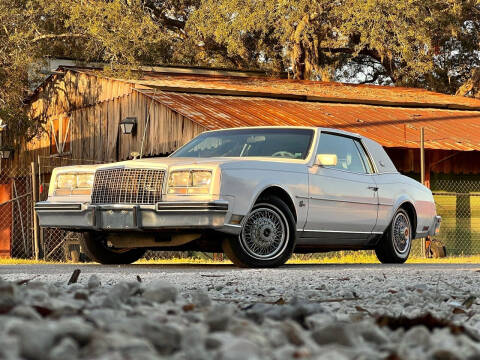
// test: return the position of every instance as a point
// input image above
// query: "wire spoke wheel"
(401, 233)
(265, 233)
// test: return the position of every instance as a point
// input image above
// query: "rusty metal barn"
(82, 108)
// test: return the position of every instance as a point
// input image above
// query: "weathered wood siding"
(91, 109)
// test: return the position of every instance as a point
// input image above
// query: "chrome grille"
(127, 186)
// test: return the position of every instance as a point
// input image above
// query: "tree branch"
(159, 14)
(58, 36)
(388, 65)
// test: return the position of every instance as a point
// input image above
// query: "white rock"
(161, 291)
(200, 299)
(415, 343)
(216, 340)
(9, 294)
(165, 337)
(76, 327)
(240, 349)
(9, 348)
(94, 282)
(218, 317)
(105, 343)
(25, 312)
(67, 348)
(35, 339)
(335, 333)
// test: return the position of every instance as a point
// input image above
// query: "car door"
(343, 201)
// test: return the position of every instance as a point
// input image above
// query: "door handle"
(374, 188)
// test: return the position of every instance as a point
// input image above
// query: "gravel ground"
(220, 312)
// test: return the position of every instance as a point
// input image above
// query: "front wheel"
(267, 237)
(96, 247)
(396, 243)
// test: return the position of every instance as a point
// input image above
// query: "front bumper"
(123, 217)
(435, 228)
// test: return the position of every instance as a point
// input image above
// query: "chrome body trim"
(435, 226)
(46, 206)
(128, 217)
(344, 232)
(188, 206)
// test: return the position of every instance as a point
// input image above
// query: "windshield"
(281, 143)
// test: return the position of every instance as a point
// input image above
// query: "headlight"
(192, 182)
(201, 178)
(85, 180)
(180, 179)
(74, 184)
(66, 181)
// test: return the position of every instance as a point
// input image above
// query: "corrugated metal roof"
(297, 89)
(390, 126)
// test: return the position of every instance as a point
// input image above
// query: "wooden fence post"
(36, 228)
(422, 176)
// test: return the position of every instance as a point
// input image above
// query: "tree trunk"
(298, 53)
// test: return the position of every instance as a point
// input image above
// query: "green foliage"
(432, 44)
(120, 33)
(425, 43)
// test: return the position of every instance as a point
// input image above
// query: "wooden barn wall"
(75, 90)
(438, 161)
(95, 134)
(166, 129)
(79, 97)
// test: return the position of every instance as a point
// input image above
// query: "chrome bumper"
(165, 215)
(435, 228)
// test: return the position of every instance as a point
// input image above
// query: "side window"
(348, 154)
(366, 160)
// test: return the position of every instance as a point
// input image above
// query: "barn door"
(6, 220)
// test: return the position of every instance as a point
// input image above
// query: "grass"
(362, 258)
(348, 258)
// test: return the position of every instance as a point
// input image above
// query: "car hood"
(166, 162)
(223, 162)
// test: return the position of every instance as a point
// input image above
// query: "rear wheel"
(267, 237)
(96, 247)
(396, 243)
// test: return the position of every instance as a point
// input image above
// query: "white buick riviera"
(259, 194)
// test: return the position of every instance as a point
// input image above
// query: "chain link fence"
(58, 245)
(16, 213)
(457, 201)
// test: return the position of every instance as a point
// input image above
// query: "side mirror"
(326, 160)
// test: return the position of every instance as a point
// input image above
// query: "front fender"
(266, 185)
(248, 186)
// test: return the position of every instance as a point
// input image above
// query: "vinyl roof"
(390, 126)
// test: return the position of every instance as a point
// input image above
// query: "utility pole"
(422, 155)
